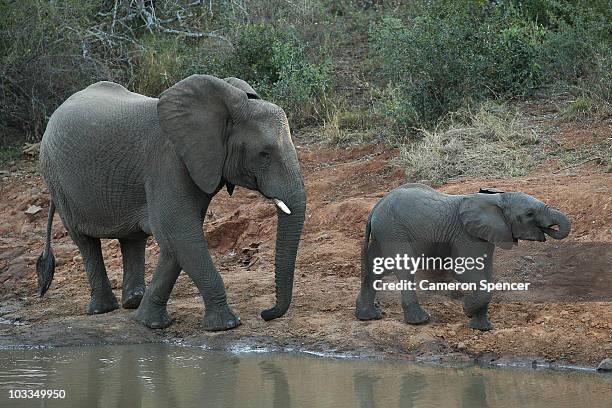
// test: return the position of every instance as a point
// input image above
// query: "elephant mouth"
(551, 229)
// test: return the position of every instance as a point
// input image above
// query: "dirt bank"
(343, 183)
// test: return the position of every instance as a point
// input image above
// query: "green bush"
(276, 63)
(447, 55)
(49, 50)
(273, 61)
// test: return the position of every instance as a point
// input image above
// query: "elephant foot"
(132, 298)
(157, 318)
(220, 319)
(99, 304)
(370, 313)
(367, 310)
(480, 323)
(416, 315)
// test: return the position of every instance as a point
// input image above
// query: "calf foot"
(153, 317)
(415, 315)
(366, 310)
(480, 323)
(220, 319)
(131, 298)
(368, 313)
(102, 303)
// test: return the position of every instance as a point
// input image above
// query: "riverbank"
(546, 326)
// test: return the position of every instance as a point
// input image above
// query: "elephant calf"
(415, 221)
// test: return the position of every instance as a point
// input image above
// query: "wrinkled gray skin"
(415, 219)
(122, 165)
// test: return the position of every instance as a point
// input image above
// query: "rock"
(461, 345)
(605, 365)
(33, 209)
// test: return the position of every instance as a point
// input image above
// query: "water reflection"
(166, 376)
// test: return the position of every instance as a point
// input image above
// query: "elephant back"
(93, 152)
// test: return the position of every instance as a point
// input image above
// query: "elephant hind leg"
(413, 313)
(133, 253)
(366, 308)
(102, 298)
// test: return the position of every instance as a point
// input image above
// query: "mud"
(548, 329)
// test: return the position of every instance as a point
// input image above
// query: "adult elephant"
(123, 165)
(417, 221)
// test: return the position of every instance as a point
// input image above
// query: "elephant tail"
(45, 265)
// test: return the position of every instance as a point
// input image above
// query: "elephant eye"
(264, 155)
(530, 213)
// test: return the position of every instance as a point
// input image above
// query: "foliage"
(447, 55)
(49, 50)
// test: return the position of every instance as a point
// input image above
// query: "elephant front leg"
(475, 306)
(476, 302)
(152, 310)
(133, 253)
(197, 262)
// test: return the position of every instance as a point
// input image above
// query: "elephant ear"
(482, 216)
(244, 85)
(194, 114)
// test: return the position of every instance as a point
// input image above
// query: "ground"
(549, 324)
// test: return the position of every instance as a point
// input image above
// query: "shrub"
(51, 49)
(272, 60)
(42, 61)
(447, 55)
(276, 63)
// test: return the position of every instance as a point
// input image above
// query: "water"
(157, 375)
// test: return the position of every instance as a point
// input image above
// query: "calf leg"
(365, 308)
(413, 313)
(476, 302)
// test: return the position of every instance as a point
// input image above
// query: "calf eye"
(530, 214)
(264, 155)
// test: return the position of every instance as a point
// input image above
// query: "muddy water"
(154, 375)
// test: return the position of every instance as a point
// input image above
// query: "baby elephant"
(416, 227)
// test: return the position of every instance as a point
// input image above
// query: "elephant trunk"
(554, 217)
(288, 234)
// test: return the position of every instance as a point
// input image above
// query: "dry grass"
(342, 123)
(492, 141)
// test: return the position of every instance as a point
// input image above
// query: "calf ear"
(482, 217)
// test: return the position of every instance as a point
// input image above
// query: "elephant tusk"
(282, 206)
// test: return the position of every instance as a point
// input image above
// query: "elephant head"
(225, 134)
(504, 218)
